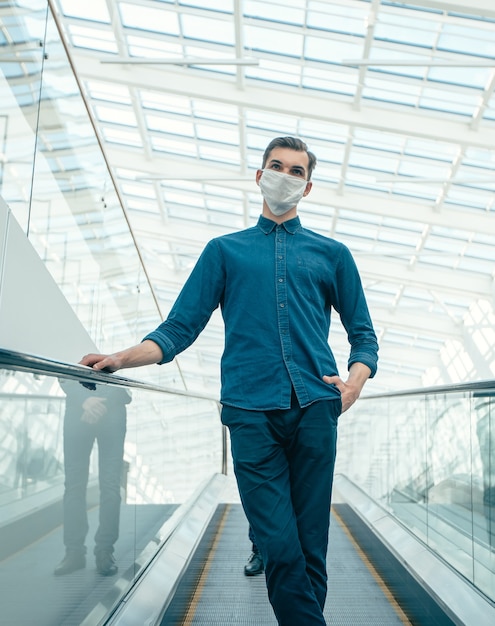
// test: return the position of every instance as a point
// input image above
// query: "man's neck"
(279, 219)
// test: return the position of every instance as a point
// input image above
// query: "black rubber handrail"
(479, 388)
(19, 361)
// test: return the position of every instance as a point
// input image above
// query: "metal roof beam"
(324, 194)
(272, 99)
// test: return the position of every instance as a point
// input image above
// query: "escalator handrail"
(20, 361)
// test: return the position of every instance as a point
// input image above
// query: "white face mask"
(281, 191)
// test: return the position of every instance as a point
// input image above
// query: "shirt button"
(282, 305)
(280, 280)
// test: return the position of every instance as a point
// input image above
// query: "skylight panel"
(331, 50)
(275, 123)
(215, 111)
(319, 222)
(175, 147)
(468, 197)
(171, 125)
(217, 133)
(354, 228)
(474, 77)
(327, 174)
(373, 161)
(226, 6)
(139, 190)
(282, 11)
(166, 102)
(115, 115)
(433, 149)
(206, 50)
(462, 39)
(322, 131)
(478, 157)
(424, 192)
(120, 136)
(424, 168)
(275, 72)
(489, 113)
(184, 198)
(390, 89)
(109, 92)
(94, 39)
(439, 100)
(92, 11)
(223, 206)
(226, 193)
(340, 19)
(406, 30)
(476, 265)
(142, 17)
(224, 155)
(275, 41)
(152, 47)
(378, 140)
(342, 83)
(207, 29)
(141, 204)
(328, 152)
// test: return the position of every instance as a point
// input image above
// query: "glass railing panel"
(406, 464)
(483, 462)
(109, 468)
(54, 178)
(450, 479)
(428, 459)
(21, 66)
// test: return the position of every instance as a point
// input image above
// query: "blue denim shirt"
(276, 286)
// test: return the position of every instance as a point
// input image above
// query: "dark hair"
(294, 144)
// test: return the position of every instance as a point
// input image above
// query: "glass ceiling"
(397, 101)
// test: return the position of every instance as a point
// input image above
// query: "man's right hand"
(145, 353)
(105, 362)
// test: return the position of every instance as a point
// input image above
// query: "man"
(276, 284)
(92, 415)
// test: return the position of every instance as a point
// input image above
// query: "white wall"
(35, 317)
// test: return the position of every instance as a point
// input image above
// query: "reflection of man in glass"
(485, 429)
(92, 415)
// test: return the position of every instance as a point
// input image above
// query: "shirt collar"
(267, 226)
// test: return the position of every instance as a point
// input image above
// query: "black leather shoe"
(105, 564)
(70, 563)
(254, 566)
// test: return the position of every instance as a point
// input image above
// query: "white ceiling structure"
(397, 101)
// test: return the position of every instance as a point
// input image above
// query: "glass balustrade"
(428, 458)
(106, 469)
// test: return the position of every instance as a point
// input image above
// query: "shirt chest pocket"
(311, 278)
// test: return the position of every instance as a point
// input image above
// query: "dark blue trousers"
(284, 462)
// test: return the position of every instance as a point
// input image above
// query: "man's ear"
(309, 184)
(259, 174)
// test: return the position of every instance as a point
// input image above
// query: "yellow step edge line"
(191, 611)
(402, 616)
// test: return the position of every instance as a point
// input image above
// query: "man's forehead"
(289, 157)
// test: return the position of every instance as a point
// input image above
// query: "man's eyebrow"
(293, 167)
